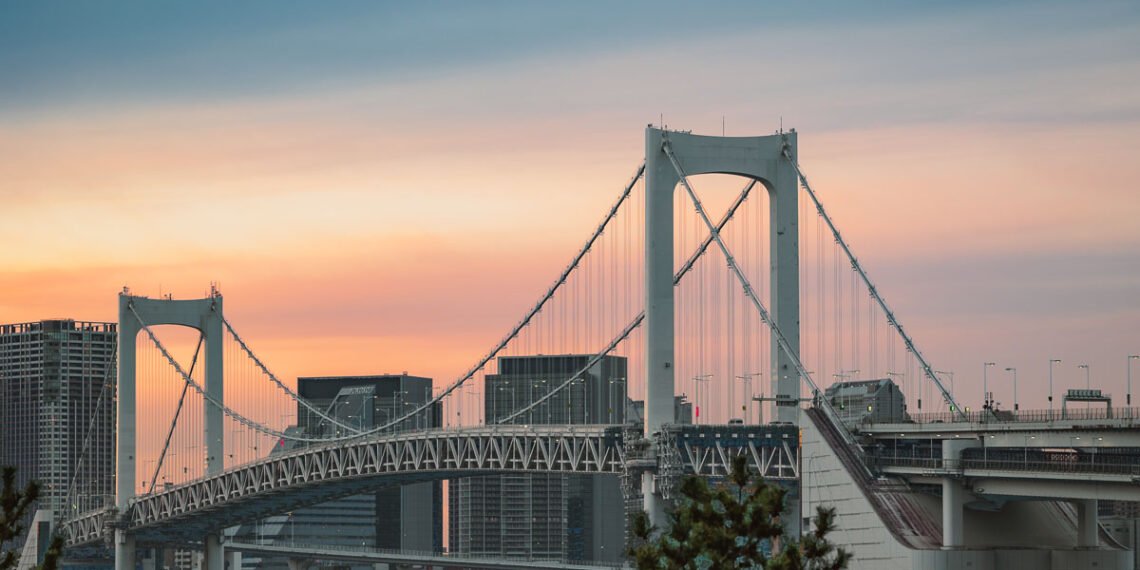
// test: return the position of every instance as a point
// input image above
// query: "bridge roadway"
(1090, 454)
(279, 483)
(302, 553)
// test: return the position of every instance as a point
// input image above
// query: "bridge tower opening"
(760, 158)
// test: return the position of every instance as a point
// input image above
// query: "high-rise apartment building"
(545, 516)
(57, 409)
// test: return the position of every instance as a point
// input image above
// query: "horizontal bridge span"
(371, 556)
(286, 481)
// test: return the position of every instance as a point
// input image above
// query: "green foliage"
(734, 525)
(14, 504)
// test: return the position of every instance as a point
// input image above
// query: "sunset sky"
(381, 187)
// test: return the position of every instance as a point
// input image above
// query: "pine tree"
(734, 525)
(14, 504)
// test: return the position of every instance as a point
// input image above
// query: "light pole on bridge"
(1128, 397)
(1052, 361)
(697, 393)
(1014, 370)
(747, 377)
(986, 388)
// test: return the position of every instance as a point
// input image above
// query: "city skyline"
(336, 169)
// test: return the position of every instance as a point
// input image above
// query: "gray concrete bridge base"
(124, 551)
(215, 553)
(1087, 527)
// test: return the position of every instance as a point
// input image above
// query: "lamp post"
(1052, 361)
(747, 377)
(1088, 382)
(1131, 357)
(986, 389)
(697, 393)
(1014, 370)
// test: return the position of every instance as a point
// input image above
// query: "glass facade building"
(545, 516)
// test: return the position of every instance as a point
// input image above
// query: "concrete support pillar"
(233, 560)
(784, 239)
(660, 182)
(1087, 526)
(148, 561)
(215, 553)
(953, 499)
(298, 564)
(211, 327)
(954, 496)
(125, 415)
(124, 550)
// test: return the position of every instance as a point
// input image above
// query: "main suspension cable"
(265, 369)
(791, 353)
(633, 324)
(530, 314)
(927, 369)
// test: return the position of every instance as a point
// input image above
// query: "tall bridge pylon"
(135, 312)
(760, 158)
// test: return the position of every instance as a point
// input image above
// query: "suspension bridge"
(765, 303)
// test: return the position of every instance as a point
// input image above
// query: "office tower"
(545, 516)
(57, 409)
(408, 517)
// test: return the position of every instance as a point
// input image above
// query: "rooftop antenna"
(781, 124)
(661, 118)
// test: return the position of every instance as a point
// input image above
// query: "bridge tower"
(205, 315)
(759, 158)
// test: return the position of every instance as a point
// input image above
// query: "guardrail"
(1005, 464)
(1001, 416)
(454, 558)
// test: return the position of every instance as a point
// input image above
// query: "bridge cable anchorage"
(927, 369)
(71, 490)
(177, 413)
(297, 397)
(530, 314)
(234, 415)
(636, 322)
(781, 340)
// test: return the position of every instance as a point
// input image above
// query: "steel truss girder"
(566, 449)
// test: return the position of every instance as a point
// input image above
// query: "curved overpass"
(284, 482)
(280, 483)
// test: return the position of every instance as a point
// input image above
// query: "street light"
(747, 377)
(1052, 361)
(1014, 370)
(1131, 357)
(986, 386)
(697, 393)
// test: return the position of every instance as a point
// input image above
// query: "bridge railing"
(1005, 464)
(419, 554)
(1014, 416)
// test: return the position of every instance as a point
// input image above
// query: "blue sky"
(979, 155)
